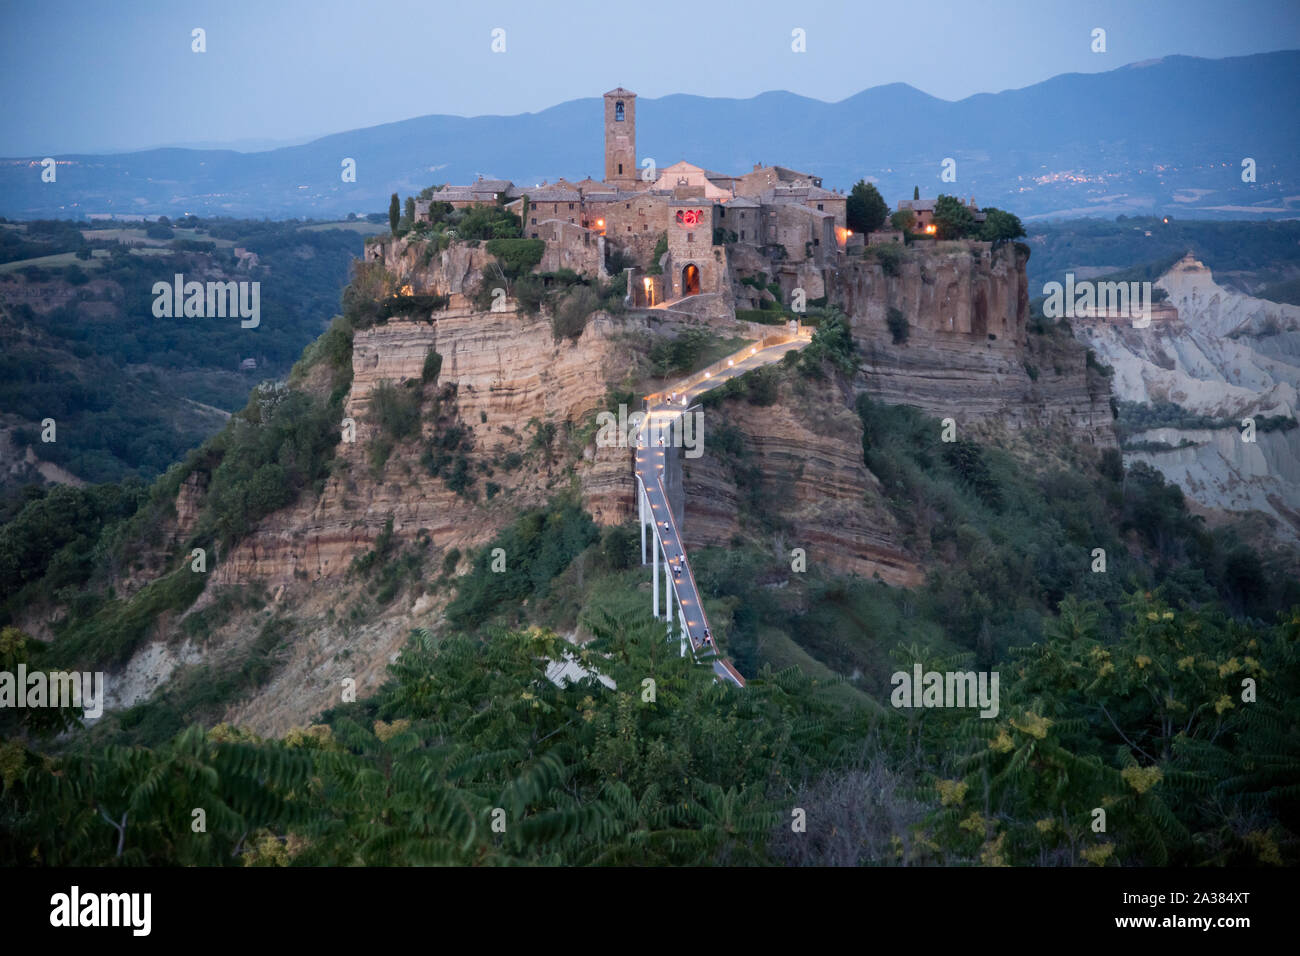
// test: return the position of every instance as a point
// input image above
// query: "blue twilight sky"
(119, 74)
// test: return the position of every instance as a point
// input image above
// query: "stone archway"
(690, 279)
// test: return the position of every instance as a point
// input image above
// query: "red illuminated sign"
(690, 218)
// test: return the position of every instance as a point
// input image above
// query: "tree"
(903, 220)
(866, 210)
(410, 208)
(916, 192)
(394, 213)
(1000, 225)
(952, 218)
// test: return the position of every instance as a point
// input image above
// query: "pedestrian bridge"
(658, 470)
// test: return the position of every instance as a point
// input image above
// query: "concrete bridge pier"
(641, 513)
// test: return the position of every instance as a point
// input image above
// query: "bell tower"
(620, 136)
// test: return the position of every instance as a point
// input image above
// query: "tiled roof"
(800, 193)
(552, 195)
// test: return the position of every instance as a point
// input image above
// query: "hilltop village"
(715, 228)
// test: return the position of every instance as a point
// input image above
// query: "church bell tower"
(620, 137)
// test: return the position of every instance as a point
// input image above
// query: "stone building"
(923, 213)
(770, 214)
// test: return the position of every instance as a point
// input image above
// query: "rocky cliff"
(1224, 355)
(525, 403)
(968, 353)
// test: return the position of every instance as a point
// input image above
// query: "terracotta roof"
(619, 91)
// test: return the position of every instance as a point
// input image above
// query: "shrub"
(889, 255)
(762, 316)
(529, 293)
(517, 256)
(831, 340)
(654, 268)
(898, 327)
(571, 316)
(538, 546)
(395, 305)
(762, 386)
(395, 410)
(432, 366)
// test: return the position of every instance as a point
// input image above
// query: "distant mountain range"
(1165, 136)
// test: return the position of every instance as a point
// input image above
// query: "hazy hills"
(1160, 137)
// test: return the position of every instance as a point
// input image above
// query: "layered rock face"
(966, 357)
(802, 461)
(508, 371)
(1227, 356)
(968, 353)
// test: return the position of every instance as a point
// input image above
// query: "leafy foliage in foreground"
(469, 755)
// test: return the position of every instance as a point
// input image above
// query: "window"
(690, 237)
(817, 242)
(742, 234)
(534, 222)
(821, 207)
(627, 205)
(620, 169)
(534, 234)
(629, 228)
(618, 115)
(722, 212)
(570, 206)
